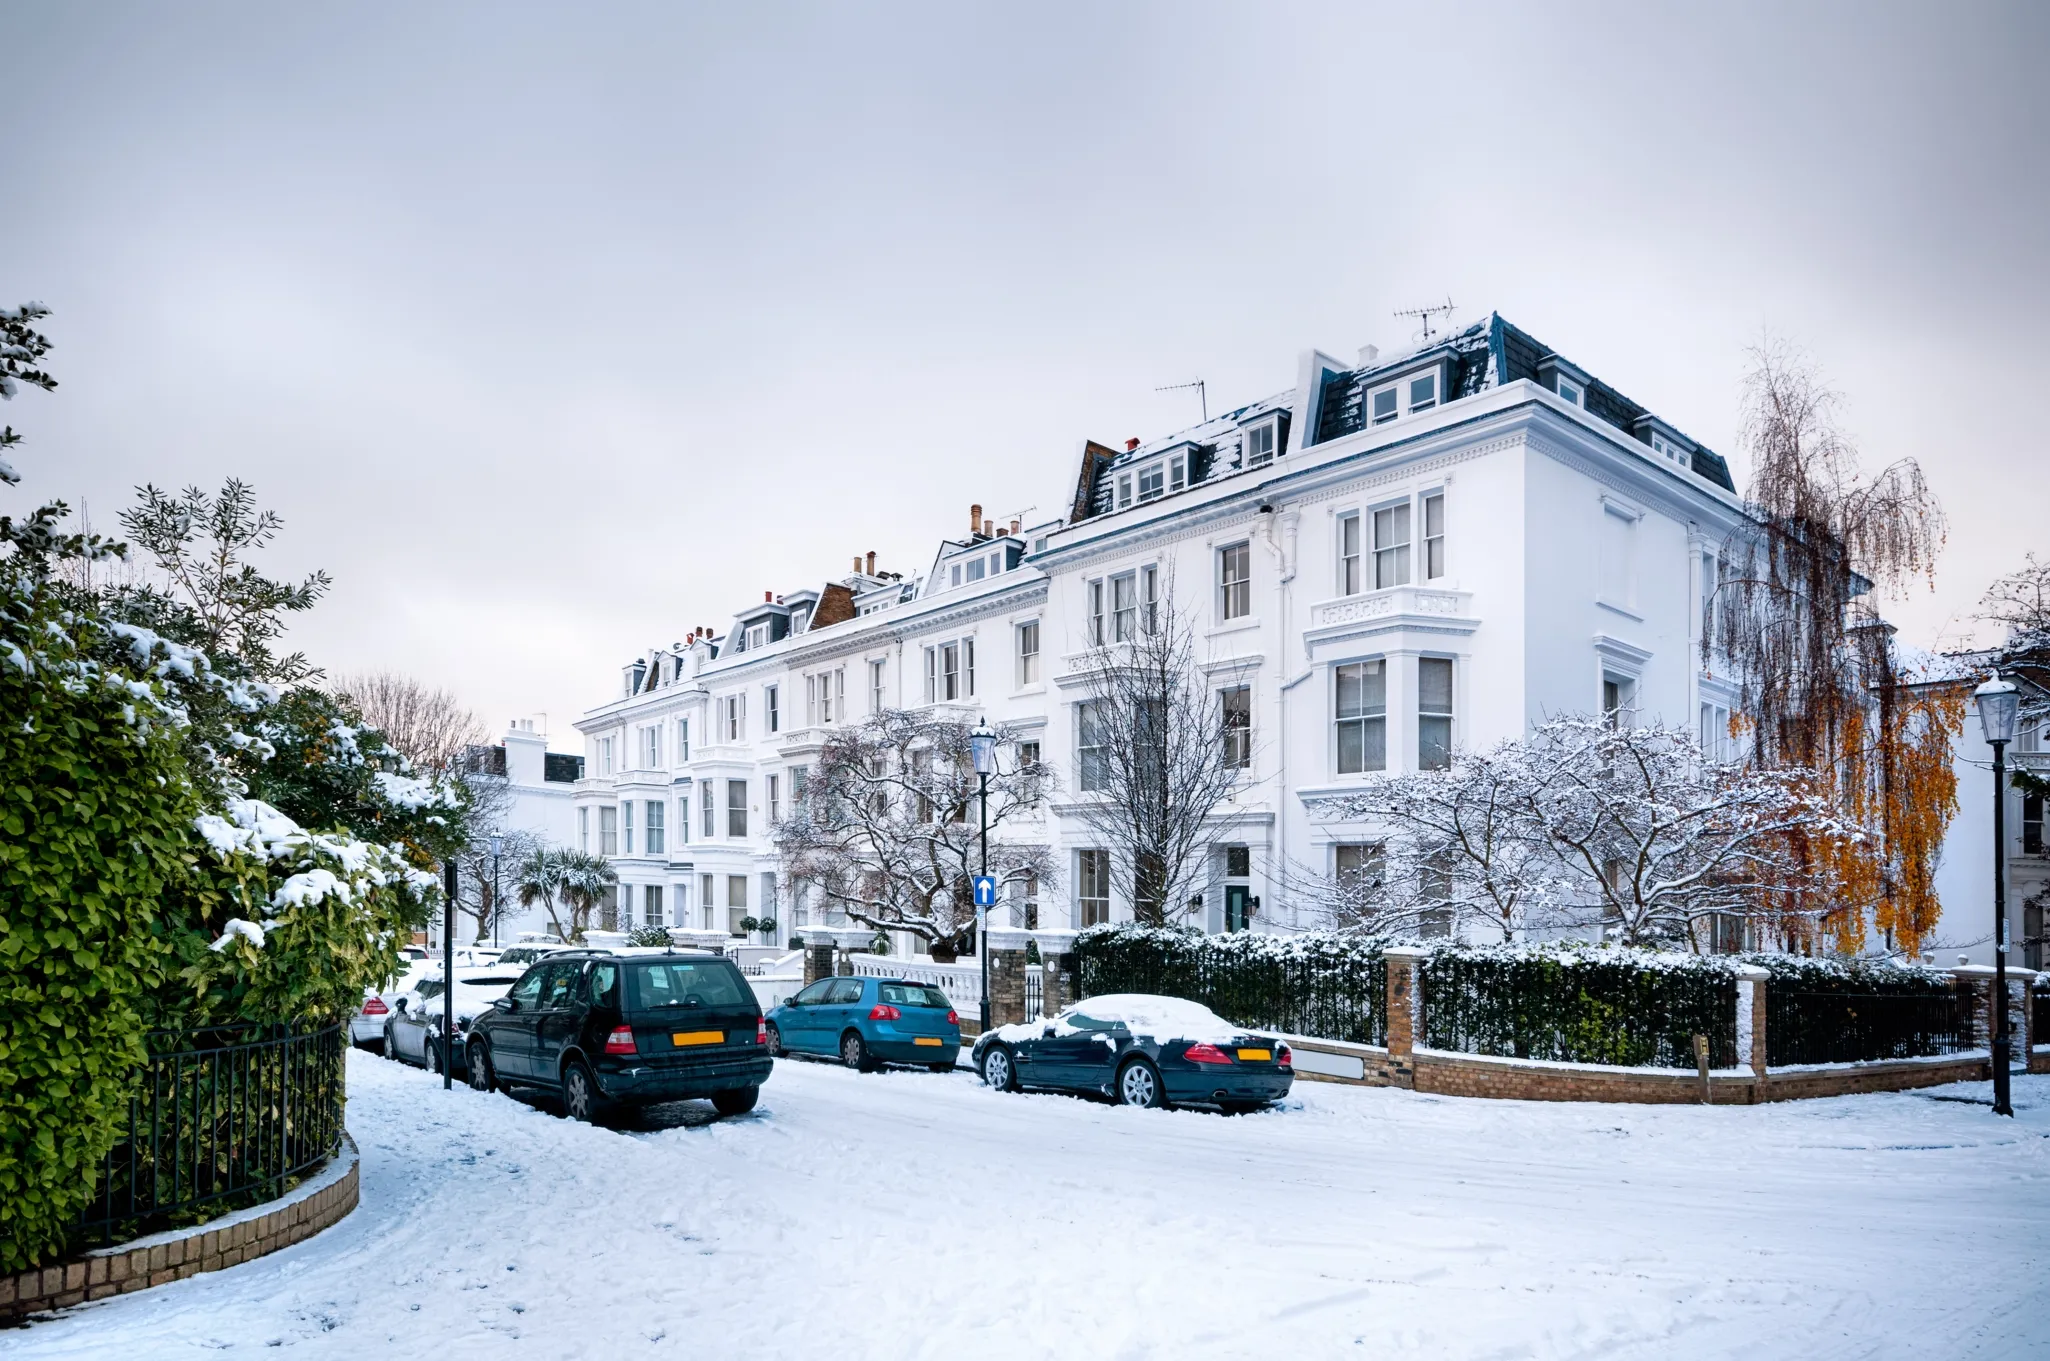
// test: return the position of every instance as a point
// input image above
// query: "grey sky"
(553, 333)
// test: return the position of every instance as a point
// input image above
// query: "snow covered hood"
(1159, 1019)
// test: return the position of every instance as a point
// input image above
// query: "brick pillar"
(1006, 946)
(818, 959)
(2019, 983)
(1751, 985)
(1058, 985)
(1974, 984)
(1405, 1011)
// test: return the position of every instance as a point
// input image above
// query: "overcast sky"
(552, 333)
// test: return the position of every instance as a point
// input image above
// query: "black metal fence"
(1331, 987)
(1858, 1027)
(1572, 1009)
(2039, 1016)
(1035, 993)
(220, 1117)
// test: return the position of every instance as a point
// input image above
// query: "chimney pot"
(871, 562)
(974, 518)
(768, 596)
(1131, 444)
(857, 562)
(1368, 354)
(988, 529)
(1014, 528)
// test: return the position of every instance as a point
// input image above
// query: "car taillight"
(883, 1011)
(375, 1006)
(761, 1030)
(953, 1018)
(1205, 1053)
(1282, 1057)
(620, 1041)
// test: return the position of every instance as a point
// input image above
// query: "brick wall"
(118, 1271)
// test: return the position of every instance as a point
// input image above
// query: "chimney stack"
(974, 519)
(857, 562)
(1131, 444)
(1368, 354)
(1014, 527)
(871, 562)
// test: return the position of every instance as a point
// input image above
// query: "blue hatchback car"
(867, 1022)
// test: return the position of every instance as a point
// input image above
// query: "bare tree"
(486, 893)
(1458, 848)
(2021, 602)
(1792, 619)
(1660, 840)
(1155, 758)
(887, 827)
(431, 728)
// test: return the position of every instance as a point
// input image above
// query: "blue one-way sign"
(985, 890)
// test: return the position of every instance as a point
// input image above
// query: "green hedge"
(95, 811)
(1561, 1004)
(1321, 983)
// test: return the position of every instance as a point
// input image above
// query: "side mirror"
(505, 1004)
(399, 1003)
(1047, 1033)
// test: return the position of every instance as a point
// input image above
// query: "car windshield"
(680, 983)
(913, 995)
(429, 987)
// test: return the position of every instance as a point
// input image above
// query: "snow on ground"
(912, 1215)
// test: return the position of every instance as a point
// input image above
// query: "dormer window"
(1260, 445)
(757, 636)
(1177, 472)
(1423, 392)
(1152, 482)
(974, 569)
(1570, 391)
(1125, 492)
(1387, 404)
(954, 576)
(1661, 445)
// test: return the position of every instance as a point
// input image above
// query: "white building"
(1964, 877)
(539, 787)
(1395, 558)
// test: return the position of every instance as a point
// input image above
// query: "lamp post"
(982, 750)
(497, 846)
(448, 975)
(1999, 705)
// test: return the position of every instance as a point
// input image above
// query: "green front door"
(1235, 896)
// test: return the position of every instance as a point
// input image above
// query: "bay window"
(1361, 715)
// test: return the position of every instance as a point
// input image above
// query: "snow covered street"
(909, 1215)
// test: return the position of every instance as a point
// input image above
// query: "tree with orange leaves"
(1793, 619)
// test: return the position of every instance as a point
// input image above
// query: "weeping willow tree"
(1793, 619)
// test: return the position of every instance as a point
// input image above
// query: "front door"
(1237, 898)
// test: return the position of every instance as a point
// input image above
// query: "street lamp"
(1999, 705)
(448, 974)
(982, 750)
(497, 845)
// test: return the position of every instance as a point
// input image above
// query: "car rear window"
(685, 983)
(913, 995)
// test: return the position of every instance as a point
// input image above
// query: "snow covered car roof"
(1158, 1018)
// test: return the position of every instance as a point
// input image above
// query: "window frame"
(1351, 539)
(1431, 755)
(772, 708)
(1242, 552)
(1268, 434)
(1430, 503)
(1152, 481)
(1236, 736)
(1392, 558)
(1370, 719)
(1092, 871)
(1025, 636)
(736, 811)
(655, 834)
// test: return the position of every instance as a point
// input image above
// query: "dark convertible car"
(601, 1029)
(1140, 1050)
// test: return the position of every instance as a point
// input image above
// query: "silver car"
(412, 1031)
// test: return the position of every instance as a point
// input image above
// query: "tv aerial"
(1425, 314)
(1201, 394)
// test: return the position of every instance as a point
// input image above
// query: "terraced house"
(1399, 557)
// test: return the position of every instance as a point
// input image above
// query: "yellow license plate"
(925, 1039)
(684, 1037)
(1248, 1055)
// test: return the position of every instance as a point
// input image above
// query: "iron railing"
(1570, 1010)
(1859, 1027)
(219, 1117)
(1035, 992)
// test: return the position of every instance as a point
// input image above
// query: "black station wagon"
(599, 1029)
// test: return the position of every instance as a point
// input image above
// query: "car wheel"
(736, 1100)
(854, 1052)
(1139, 1085)
(482, 1079)
(432, 1050)
(391, 1044)
(775, 1042)
(999, 1069)
(580, 1093)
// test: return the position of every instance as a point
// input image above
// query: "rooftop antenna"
(1202, 394)
(1426, 313)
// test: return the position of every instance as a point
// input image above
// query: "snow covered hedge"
(1331, 984)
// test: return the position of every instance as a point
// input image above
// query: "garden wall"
(319, 1201)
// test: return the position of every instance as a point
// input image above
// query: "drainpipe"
(1285, 564)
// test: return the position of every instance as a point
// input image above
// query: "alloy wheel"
(996, 1069)
(854, 1053)
(1138, 1086)
(576, 1094)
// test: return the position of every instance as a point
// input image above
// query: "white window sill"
(1249, 623)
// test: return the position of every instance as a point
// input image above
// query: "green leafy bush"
(95, 815)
